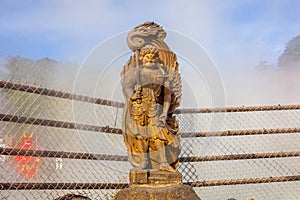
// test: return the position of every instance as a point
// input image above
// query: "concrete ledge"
(174, 192)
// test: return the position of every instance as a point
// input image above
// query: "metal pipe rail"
(59, 94)
(99, 186)
(237, 109)
(107, 129)
(90, 156)
(241, 132)
(240, 156)
(58, 124)
(77, 97)
(244, 181)
(60, 154)
(62, 186)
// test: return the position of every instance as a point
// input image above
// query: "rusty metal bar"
(237, 109)
(241, 132)
(61, 186)
(77, 97)
(58, 124)
(244, 181)
(107, 129)
(239, 156)
(99, 186)
(59, 94)
(60, 154)
(89, 156)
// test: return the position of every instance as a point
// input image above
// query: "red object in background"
(27, 165)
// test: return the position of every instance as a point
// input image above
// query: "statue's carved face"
(149, 59)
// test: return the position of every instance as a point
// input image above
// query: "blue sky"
(67, 30)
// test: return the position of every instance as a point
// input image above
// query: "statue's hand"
(162, 120)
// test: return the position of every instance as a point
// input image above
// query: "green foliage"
(39, 72)
(264, 66)
(290, 58)
(32, 72)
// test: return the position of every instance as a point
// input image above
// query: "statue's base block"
(156, 185)
(174, 192)
(154, 177)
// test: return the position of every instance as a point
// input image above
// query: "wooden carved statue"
(152, 89)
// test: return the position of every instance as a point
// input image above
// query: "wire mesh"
(54, 143)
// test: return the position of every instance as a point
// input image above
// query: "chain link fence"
(54, 143)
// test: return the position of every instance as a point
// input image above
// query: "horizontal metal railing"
(90, 156)
(78, 97)
(107, 129)
(99, 186)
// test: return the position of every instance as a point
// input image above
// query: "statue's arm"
(166, 104)
(128, 82)
(128, 92)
